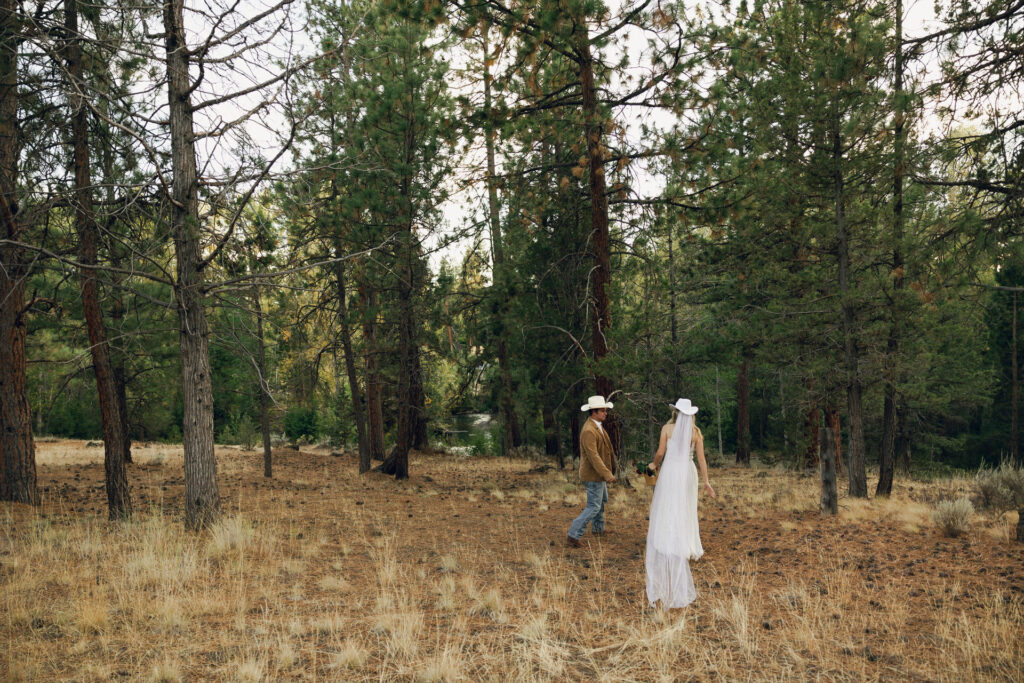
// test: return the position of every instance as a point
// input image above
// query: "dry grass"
(464, 577)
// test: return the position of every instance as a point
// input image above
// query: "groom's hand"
(612, 480)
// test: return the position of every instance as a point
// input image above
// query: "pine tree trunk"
(17, 447)
(829, 494)
(743, 411)
(832, 421)
(374, 407)
(120, 378)
(119, 503)
(1014, 391)
(350, 367)
(420, 440)
(600, 238)
(857, 467)
(202, 496)
(512, 438)
(812, 429)
(891, 417)
(397, 462)
(117, 311)
(261, 360)
(574, 430)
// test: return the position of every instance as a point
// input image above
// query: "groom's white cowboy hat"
(596, 403)
(684, 406)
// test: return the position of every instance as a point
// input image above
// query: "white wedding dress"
(673, 535)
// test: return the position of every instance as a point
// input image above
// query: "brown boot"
(573, 542)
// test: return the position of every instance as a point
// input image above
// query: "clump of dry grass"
(447, 665)
(351, 655)
(166, 671)
(230, 534)
(953, 517)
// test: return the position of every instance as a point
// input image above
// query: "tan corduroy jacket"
(595, 453)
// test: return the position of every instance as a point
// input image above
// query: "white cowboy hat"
(597, 402)
(683, 406)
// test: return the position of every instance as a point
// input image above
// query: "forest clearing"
(461, 573)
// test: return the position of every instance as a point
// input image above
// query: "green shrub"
(301, 423)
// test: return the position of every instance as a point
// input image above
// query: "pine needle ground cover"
(461, 573)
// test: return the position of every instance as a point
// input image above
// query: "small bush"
(301, 423)
(1001, 488)
(953, 517)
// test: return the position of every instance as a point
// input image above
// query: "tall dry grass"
(352, 595)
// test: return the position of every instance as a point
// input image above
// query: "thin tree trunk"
(829, 495)
(374, 408)
(743, 411)
(574, 429)
(119, 503)
(1015, 390)
(202, 496)
(718, 412)
(812, 429)
(120, 377)
(857, 467)
(420, 440)
(261, 360)
(117, 311)
(17, 447)
(673, 323)
(832, 422)
(350, 367)
(891, 417)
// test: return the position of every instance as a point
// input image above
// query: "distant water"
(468, 429)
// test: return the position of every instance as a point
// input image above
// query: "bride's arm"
(660, 455)
(699, 447)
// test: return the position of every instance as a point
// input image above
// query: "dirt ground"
(462, 573)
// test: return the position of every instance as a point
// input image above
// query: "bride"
(673, 537)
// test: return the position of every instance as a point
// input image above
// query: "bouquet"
(646, 469)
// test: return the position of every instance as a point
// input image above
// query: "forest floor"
(462, 573)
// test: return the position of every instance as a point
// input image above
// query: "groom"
(596, 464)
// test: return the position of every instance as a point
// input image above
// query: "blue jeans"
(593, 514)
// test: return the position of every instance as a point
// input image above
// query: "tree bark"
(743, 411)
(812, 429)
(891, 417)
(17, 447)
(1014, 390)
(857, 466)
(350, 366)
(512, 437)
(119, 503)
(832, 422)
(120, 378)
(202, 496)
(261, 361)
(574, 429)
(397, 462)
(420, 440)
(374, 407)
(829, 495)
(600, 238)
